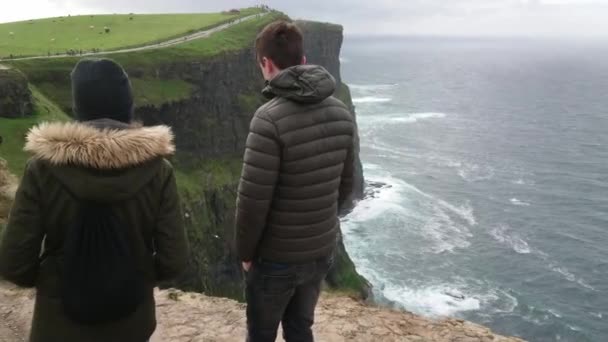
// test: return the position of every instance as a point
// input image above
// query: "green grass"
(207, 174)
(57, 35)
(52, 76)
(60, 93)
(13, 131)
(146, 91)
(155, 92)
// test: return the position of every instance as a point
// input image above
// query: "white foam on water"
(574, 328)
(444, 233)
(387, 198)
(433, 301)
(505, 235)
(518, 202)
(597, 314)
(391, 118)
(570, 276)
(564, 272)
(371, 99)
(554, 313)
(475, 173)
(371, 167)
(372, 87)
(464, 212)
(413, 118)
(519, 181)
(470, 172)
(344, 60)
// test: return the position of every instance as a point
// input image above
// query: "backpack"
(101, 280)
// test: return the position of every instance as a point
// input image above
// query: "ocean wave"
(372, 87)
(470, 172)
(440, 226)
(464, 212)
(445, 235)
(518, 202)
(435, 301)
(597, 314)
(412, 118)
(371, 99)
(570, 276)
(504, 234)
(386, 198)
(391, 118)
(563, 271)
(519, 181)
(475, 173)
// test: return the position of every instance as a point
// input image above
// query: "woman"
(104, 163)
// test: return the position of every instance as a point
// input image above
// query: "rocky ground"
(188, 317)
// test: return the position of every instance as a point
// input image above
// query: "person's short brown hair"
(281, 42)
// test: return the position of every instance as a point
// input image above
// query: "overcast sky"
(437, 17)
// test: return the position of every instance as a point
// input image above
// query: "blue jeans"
(283, 293)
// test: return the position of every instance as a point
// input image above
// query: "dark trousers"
(287, 294)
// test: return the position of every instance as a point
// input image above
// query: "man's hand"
(246, 266)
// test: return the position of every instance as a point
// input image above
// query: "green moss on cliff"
(13, 131)
(343, 94)
(156, 92)
(250, 103)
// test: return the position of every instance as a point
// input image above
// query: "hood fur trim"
(76, 143)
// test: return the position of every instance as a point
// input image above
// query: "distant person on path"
(96, 222)
(297, 174)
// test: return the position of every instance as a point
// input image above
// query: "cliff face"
(323, 43)
(193, 317)
(209, 102)
(15, 95)
(211, 127)
(213, 122)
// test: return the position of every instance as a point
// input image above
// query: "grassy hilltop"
(87, 32)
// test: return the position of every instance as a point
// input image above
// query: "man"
(101, 183)
(297, 173)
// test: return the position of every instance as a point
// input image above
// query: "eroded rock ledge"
(190, 317)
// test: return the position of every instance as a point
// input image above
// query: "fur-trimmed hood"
(103, 145)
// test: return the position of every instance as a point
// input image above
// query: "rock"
(8, 186)
(15, 95)
(195, 317)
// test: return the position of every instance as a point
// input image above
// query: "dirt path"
(16, 308)
(167, 43)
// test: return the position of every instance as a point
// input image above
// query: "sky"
(577, 18)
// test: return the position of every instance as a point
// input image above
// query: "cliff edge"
(194, 317)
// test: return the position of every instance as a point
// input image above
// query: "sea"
(487, 169)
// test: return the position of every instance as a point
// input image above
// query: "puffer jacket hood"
(302, 83)
(102, 160)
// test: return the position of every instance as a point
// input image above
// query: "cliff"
(15, 95)
(208, 96)
(186, 317)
